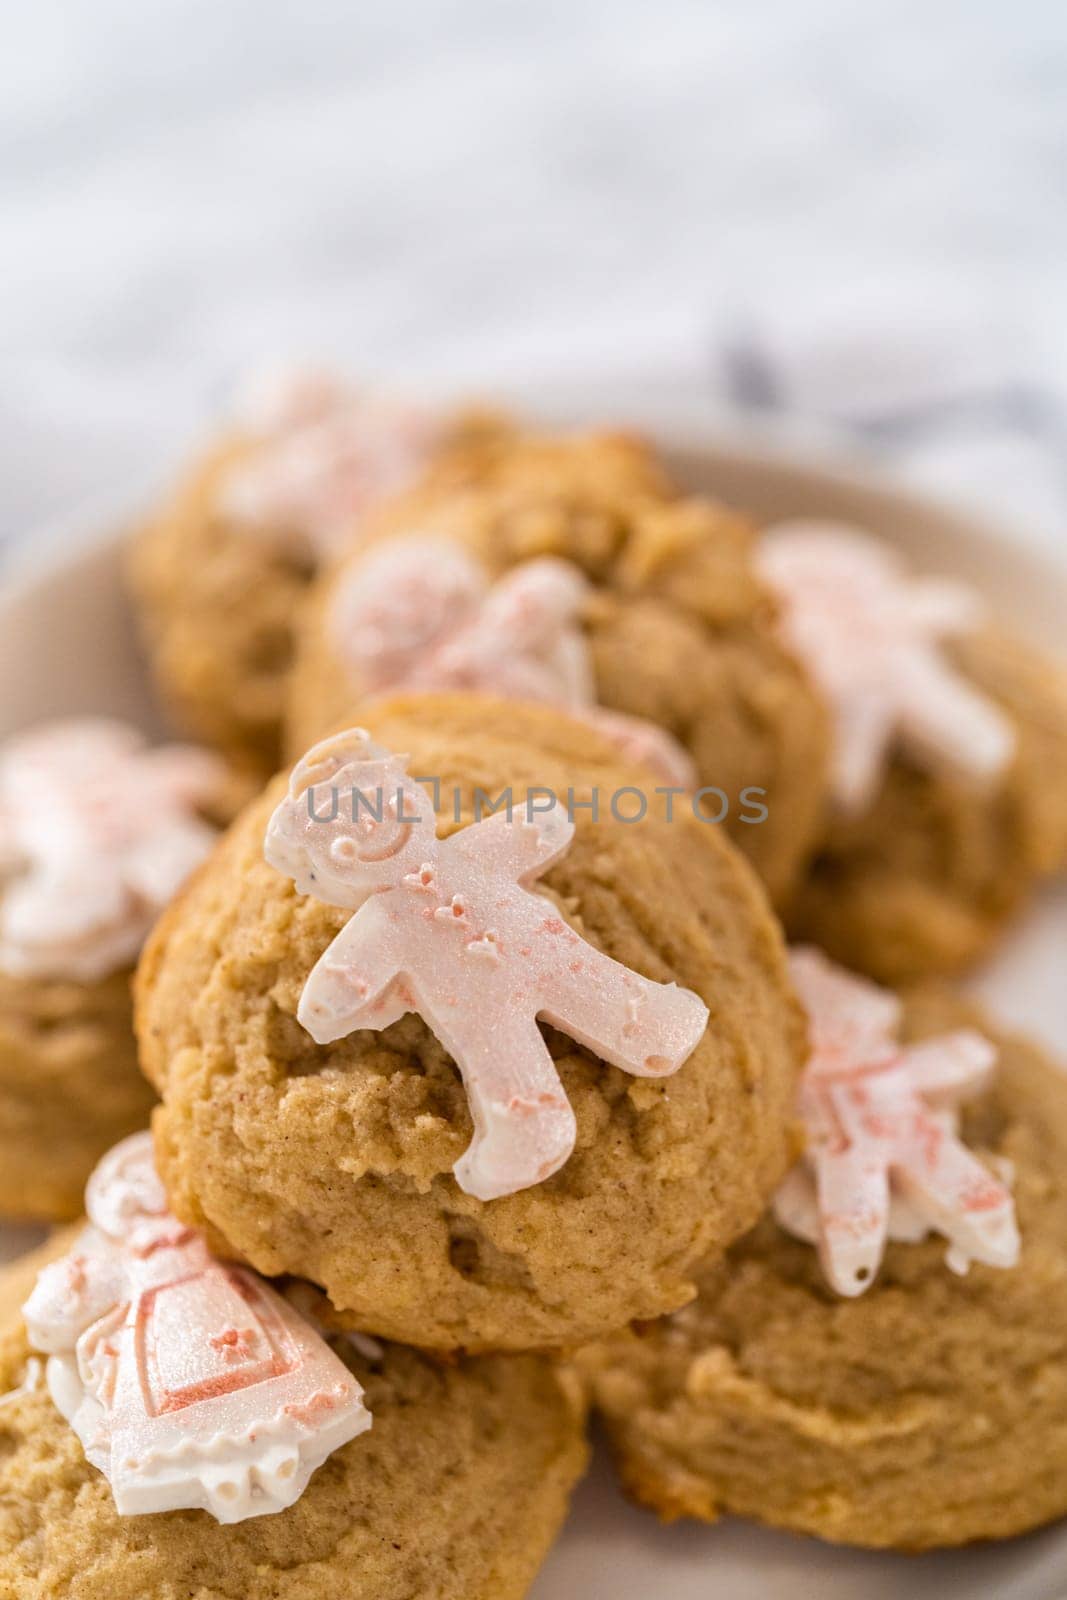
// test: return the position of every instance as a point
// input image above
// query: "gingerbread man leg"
(954, 1192)
(524, 1128)
(853, 1204)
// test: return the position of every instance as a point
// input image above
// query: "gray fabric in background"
(847, 214)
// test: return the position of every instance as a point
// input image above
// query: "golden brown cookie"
(335, 1161)
(931, 1410)
(69, 1088)
(456, 1493)
(679, 628)
(218, 600)
(125, 825)
(924, 880)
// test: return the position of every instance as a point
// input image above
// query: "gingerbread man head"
(404, 602)
(352, 823)
(324, 456)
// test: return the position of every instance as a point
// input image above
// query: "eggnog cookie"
(219, 574)
(69, 1087)
(668, 622)
(534, 1196)
(904, 1401)
(139, 1456)
(949, 781)
(98, 832)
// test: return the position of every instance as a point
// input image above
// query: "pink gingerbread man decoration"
(326, 455)
(97, 834)
(869, 636)
(190, 1383)
(883, 1158)
(419, 613)
(452, 930)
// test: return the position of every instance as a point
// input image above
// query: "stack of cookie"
(489, 1087)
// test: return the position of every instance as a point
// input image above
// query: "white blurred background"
(849, 216)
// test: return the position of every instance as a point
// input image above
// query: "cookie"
(926, 1408)
(218, 575)
(69, 1087)
(452, 1489)
(339, 1160)
(675, 626)
(949, 785)
(98, 832)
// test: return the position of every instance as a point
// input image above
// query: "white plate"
(66, 645)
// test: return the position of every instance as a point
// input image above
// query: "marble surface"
(846, 214)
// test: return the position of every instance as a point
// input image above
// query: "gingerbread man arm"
(520, 850)
(646, 1028)
(644, 742)
(954, 1193)
(942, 608)
(185, 775)
(943, 719)
(953, 1065)
(351, 985)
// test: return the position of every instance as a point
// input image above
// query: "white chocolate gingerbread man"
(190, 1383)
(883, 1158)
(326, 454)
(97, 834)
(869, 635)
(419, 613)
(452, 929)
